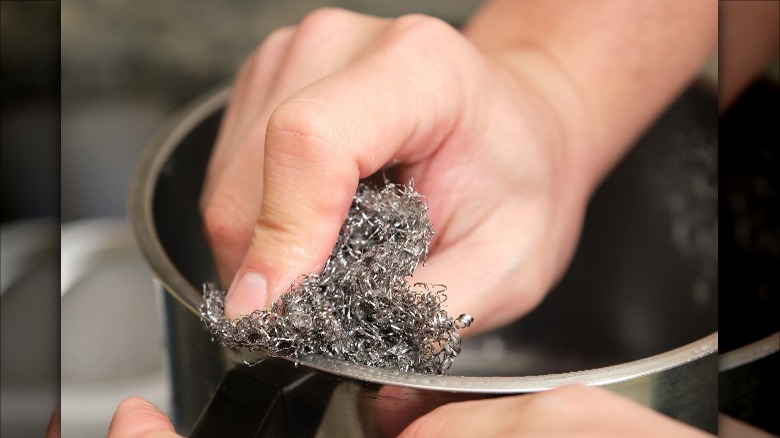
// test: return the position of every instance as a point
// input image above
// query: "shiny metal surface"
(748, 383)
(633, 313)
(749, 353)
(111, 331)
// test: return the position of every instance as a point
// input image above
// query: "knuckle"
(280, 33)
(270, 48)
(422, 27)
(324, 21)
(278, 37)
(418, 38)
(301, 128)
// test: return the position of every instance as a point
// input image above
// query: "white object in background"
(111, 330)
(28, 317)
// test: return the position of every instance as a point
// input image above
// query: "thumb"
(139, 418)
(323, 139)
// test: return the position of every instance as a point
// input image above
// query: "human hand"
(571, 411)
(139, 418)
(322, 105)
(507, 129)
(567, 411)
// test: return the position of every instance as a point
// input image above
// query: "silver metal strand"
(360, 308)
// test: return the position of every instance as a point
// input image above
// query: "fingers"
(231, 197)
(138, 418)
(326, 136)
(250, 89)
(287, 61)
(484, 418)
(566, 411)
(342, 105)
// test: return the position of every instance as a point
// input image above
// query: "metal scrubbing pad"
(360, 308)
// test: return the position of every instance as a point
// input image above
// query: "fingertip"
(136, 404)
(248, 293)
(137, 417)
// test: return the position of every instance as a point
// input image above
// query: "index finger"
(401, 101)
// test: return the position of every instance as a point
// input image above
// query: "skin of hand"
(136, 417)
(317, 108)
(571, 411)
(490, 123)
(567, 411)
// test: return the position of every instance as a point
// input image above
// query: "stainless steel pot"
(749, 191)
(636, 312)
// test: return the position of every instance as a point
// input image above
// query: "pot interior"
(643, 280)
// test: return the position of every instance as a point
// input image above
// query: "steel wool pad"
(360, 308)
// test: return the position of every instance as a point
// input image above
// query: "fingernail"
(246, 295)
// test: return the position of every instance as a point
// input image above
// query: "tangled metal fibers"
(360, 308)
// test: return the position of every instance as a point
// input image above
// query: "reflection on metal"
(626, 315)
(749, 353)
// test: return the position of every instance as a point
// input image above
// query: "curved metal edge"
(749, 353)
(153, 158)
(512, 385)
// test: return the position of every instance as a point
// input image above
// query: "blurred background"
(125, 67)
(29, 216)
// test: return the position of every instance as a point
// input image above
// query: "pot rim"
(170, 278)
(749, 353)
